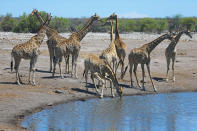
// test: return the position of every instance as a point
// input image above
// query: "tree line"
(26, 23)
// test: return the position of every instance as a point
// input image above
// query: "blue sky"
(86, 8)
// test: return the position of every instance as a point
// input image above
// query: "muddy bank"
(17, 101)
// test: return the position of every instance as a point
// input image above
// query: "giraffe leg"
(16, 67)
(148, 68)
(67, 64)
(122, 67)
(173, 61)
(168, 67)
(134, 70)
(130, 72)
(34, 69)
(86, 78)
(75, 65)
(112, 93)
(51, 55)
(143, 73)
(60, 67)
(98, 77)
(117, 66)
(72, 65)
(30, 70)
(92, 77)
(55, 60)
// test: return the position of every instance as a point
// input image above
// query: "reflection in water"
(161, 112)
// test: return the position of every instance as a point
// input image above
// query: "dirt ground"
(18, 101)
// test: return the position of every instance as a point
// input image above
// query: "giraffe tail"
(11, 63)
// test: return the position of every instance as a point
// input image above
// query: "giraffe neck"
(49, 31)
(151, 46)
(117, 32)
(86, 28)
(111, 33)
(39, 18)
(40, 36)
(177, 38)
(112, 75)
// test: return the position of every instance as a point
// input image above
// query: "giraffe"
(110, 54)
(53, 38)
(142, 56)
(121, 47)
(170, 52)
(72, 45)
(29, 50)
(99, 68)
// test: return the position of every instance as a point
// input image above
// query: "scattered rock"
(49, 104)
(59, 92)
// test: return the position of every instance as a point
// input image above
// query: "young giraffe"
(110, 54)
(28, 50)
(142, 56)
(99, 68)
(53, 38)
(121, 47)
(170, 52)
(72, 45)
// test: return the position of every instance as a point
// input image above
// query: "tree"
(60, 24)
(22, 25)
(147, 25)
(174, 23)
(189, 23)
(8, 23)
(161, 25)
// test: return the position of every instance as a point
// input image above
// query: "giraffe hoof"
(166, 80)
(101, 97)
(33, 84)
(19, 83)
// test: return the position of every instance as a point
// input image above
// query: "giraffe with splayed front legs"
(109, 54)
(142, 56)
(29, 50)
(101, 70)
(170, 52)
(72, 45)
(121, 47)
(53, 38)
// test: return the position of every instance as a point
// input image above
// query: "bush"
(8, 23)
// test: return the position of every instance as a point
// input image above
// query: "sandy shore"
(18, 101)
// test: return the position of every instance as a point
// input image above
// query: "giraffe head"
(112, 17)
(34, 12)
(95, 17)
(169, 36)
(188, 33)
(119, 90)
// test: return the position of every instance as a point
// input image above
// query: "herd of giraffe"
(98, 65)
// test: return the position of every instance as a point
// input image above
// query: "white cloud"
(133, 15)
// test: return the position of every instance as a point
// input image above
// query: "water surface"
(161, 112)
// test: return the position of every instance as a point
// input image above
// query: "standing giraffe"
(142, 56)
(72, 46)
(121, 47)
(29, 50)
(53, 38)
(110, 54)
(99, 68)
(170, 52)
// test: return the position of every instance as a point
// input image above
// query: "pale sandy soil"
(18, 101)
